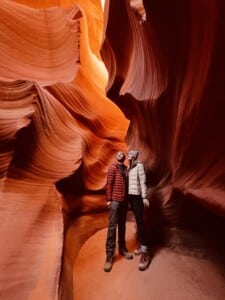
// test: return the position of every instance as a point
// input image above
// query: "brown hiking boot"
(125, 253)
(108, 263)
(145, 261)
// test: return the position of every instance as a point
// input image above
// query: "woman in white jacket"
(137, 192)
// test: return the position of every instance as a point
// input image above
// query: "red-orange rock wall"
(166, 64)
(55, 124)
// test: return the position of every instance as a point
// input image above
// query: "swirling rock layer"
(58, 131)
(167, 79)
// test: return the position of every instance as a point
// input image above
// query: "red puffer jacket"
(116, 185)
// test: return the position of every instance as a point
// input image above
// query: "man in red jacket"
(116, 192)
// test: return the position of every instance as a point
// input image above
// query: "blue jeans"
(117, 216)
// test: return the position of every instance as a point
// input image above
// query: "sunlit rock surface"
(161, 64)
(55, 123)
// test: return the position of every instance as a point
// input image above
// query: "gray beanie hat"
(133, 154)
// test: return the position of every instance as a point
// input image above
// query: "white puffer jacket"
(137, 180)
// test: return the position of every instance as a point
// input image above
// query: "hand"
(108, 203)
(146, 202)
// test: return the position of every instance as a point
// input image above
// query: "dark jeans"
(117, 216)
(137, 207)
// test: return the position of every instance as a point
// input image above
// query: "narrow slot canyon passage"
(80, 81)
(171, 276)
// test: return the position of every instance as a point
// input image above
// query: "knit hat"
(133, 154)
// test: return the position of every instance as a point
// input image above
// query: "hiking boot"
(137, 251)
(144, 262)
(108, 263)
(125, 253)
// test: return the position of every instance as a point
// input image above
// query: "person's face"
(120, 156)
(130, 158)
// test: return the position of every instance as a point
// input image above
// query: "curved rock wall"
(166, 64)
(58, 131)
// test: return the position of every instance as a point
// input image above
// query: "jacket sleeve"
(142, 180)
(109, 183)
